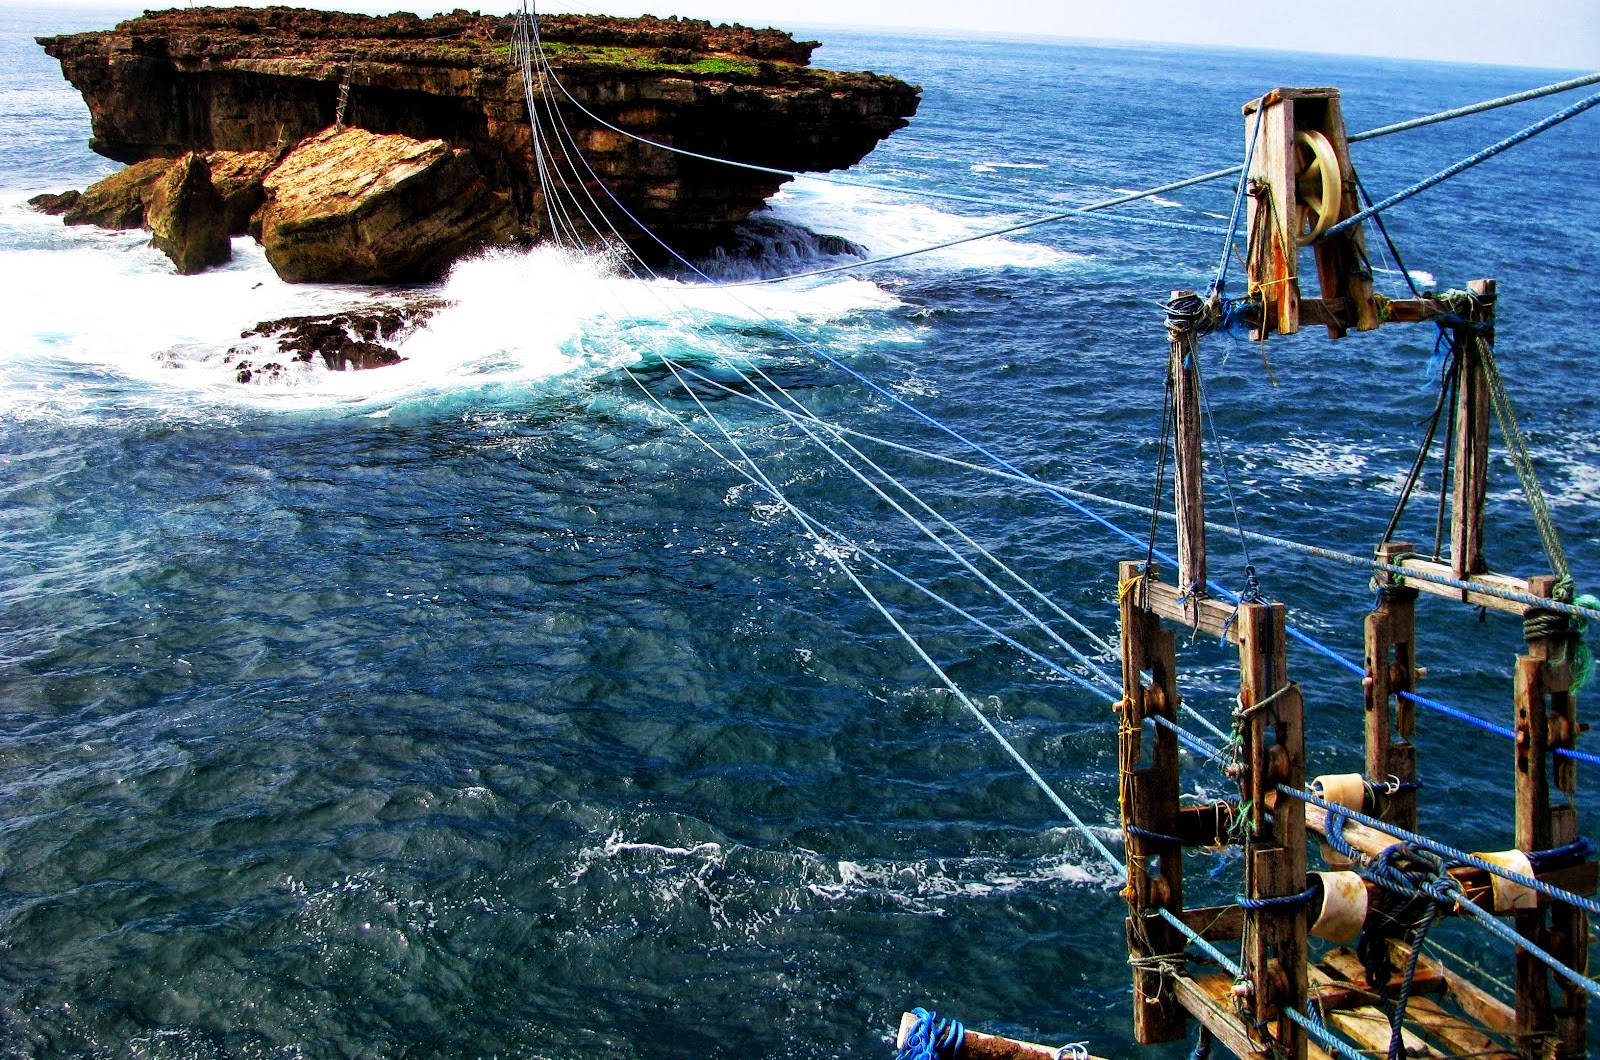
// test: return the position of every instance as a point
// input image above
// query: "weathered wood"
(1210, 1000)
(1531, 750)
(1473, 1000)
(1470, 489)
(1188, 462)
(979, 1046)
(1342, 270)
(1149, 801)
(1344, 963)
(1217, 923)
(1460, 1036)
(1211, 617)
(1391, 669)
(1274, 940)
(1275, 272)
(1546, 719)
(1496, 581)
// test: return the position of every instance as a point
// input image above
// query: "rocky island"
(381, 149)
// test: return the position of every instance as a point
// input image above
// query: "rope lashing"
(1280, 902)
(1221, 959)
(931, 1038)
(1422, 842)
(1145, 833)
(1465, 164)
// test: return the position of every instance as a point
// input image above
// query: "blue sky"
(1562, 34)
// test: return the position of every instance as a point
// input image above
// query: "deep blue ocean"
(472, 708)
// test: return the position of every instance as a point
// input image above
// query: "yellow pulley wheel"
(1318, 185)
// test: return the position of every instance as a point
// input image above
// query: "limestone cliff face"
(262, 79)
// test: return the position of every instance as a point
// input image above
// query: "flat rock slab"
(353, 206)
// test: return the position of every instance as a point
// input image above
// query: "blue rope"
(1205, 947)
(1145, 833)
(1494, 727)
(1324, 1037)
(932, 1038)
(1220, 283)
(1440, 849)
(1466, 163)
(1276, 903)
(975, 446)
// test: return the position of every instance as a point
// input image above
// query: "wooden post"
(1274, 951)
(1189, 453)
(1149, 797)
(1275, 269)
(1471, 486)
(1392, 669)
(1547, 718)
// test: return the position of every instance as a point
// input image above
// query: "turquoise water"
(471, 708)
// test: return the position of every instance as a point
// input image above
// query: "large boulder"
(352, 206)
(118, 201)
(186, 217)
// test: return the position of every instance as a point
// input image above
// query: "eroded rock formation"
(261, 80)
(355, 207)
(186, 217)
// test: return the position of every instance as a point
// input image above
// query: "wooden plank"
(1210, 1000)
(1344, 963)
(1211, 617)
(1497, 581)
(1188, 463)
(1473, 1000)
(1369, 1028)
(1470, 490)
(1459, 1035)
(979, 1046)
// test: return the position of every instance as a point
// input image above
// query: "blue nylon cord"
(1466, 163)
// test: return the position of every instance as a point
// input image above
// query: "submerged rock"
(353, 340)
(56, 203)
(186, 217)
(352, 206)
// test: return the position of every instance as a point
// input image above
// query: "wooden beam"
(1470, 489)
(1210, 1000)
(1495, 581)
(1188, 461)
(1210, 617)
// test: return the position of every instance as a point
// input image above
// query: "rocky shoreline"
(227, 118)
